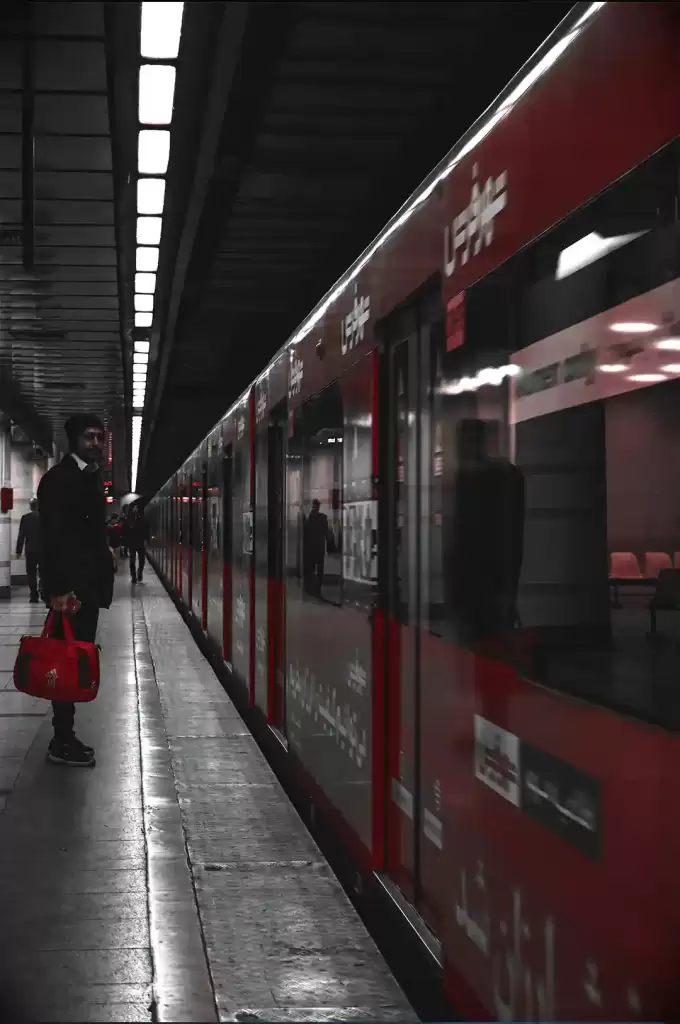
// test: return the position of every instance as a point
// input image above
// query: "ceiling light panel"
(143, 319)
(149, 230)
(144, 303)
(147, 258)
(150, 195)
(161, 30)
(156, 93)
(145, 283)
(153, 152)
(142, 346)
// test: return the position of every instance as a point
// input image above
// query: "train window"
(587, 321)
(315, 474)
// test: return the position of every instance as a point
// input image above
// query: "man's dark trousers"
(134, 552)
(32, 572)
(84, 624)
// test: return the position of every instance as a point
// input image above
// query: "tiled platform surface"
(174, 882)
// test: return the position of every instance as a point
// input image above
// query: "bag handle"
(48, 629)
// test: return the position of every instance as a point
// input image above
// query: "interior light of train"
(147, 258)
(668, 344)
(588, 250)
(156, 93)
(149, 230)
(143, 319)
(144, 303)
(634, 327)
(490, 376)
(161, 30)
(150, 195)
(648, 378)
(479, 131)
(153, 151)
(145, 283)
(612, 367)
(671, 368)
(142, 346)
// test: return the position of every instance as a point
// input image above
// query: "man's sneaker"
(140, 578)
(82, 746)
(69, 753)
(34, 599)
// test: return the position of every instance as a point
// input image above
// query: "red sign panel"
(455, 322)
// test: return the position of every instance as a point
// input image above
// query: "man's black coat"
(75, 556)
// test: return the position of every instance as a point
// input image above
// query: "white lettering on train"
(353, 325)
(297, 371)
(473, 227)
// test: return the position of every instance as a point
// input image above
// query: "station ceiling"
(298, 129)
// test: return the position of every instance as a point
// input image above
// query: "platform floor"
(174, 881)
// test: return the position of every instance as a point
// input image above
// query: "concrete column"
(5, 520)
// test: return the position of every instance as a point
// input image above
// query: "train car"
(440, 539)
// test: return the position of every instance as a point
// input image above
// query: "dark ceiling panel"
(60, 330)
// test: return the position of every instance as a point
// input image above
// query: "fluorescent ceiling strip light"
(140, 357)
(479, 132)
(156, 93)
(153, 151)
(142, 346)
(150, 195)
(149, 230)
(144, 303)
(161, 30)
(143, 319)
(145, 283)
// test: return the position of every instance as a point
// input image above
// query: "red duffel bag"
(54, 669)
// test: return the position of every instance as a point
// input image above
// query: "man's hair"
(33, 504)
(76, 426)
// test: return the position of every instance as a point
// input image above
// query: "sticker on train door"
(497, 759)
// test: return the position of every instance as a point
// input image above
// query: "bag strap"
(48, 629)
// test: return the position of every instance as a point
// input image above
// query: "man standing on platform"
(29, 539)
(76, 564)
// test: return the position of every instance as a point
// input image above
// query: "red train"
(441, 641)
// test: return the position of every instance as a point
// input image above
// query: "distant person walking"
(316, 545)
(136, 539)
(29, 541)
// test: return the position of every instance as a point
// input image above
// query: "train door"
(261, 540)
(276, 528)
(414, 565)
(185, 535)
(214, 540)
(197, 505)
(227, 543)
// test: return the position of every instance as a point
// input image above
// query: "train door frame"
(276, 511)
(406, 350)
